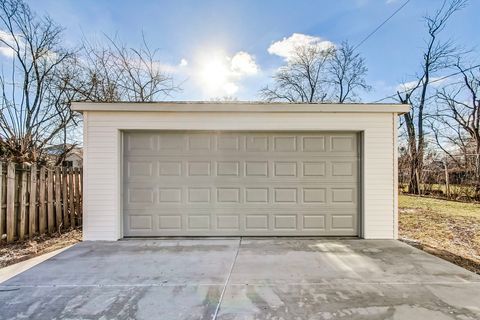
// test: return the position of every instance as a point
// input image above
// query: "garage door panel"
(146, 143)
(140, 142)
(145, 194)
(232, 167)
(248, 224)
(228, 181)
(203, 183)
(140, 168)
(199, 142)
(168, 168)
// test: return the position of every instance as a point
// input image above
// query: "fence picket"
(58, 198)
(42, 215)
(50, 210)
(32, 202)
(77, 195)
(66, 219)
(11, 188)
(71, 197)
(23, 203)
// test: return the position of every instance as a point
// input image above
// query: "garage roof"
(208, 106)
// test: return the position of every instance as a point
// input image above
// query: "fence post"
(32, 209)
(10, 202)
(58, 198)
(42, 212)
(23, 202)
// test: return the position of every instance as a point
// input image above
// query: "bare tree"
(113, 72)
(316, 74)
(33, 108)
(347, 72)
(45, 77)
(303, 78)
(459, 112)
(437, 56)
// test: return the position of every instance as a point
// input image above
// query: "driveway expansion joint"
(217, 309)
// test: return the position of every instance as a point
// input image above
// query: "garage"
(168, 169)
(240, 183)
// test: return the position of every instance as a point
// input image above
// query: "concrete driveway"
(242, 279)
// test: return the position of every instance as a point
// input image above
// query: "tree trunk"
(415, 174)
(447, 179)
(415, 160)
(477, 173)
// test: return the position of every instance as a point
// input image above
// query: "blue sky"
(212, 34)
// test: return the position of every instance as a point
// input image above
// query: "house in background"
(73, 158)
(240, 169)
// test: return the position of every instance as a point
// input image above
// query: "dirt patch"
(23, 250)
(453, 237)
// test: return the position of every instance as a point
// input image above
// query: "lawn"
(448, 229)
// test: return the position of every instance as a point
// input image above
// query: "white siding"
(102, 205)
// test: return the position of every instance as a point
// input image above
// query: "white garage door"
(255, 183)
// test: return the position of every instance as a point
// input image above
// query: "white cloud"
(286, 47)
(243, 63)
(171, 68)
(9, 39)
(7, 52)
(161, 67)
(406, 86)
(391, 1)
(230, 88)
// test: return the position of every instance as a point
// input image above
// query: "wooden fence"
(38, 200)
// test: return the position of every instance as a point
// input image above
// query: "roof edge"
(240, 107)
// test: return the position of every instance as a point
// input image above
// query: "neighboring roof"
(78, 156)
(207, 106)
(56, 150)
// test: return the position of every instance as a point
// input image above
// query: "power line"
(430, 82)
(381, 24)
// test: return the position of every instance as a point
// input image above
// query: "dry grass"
(448, 229)
(23, 250)
(459, 192)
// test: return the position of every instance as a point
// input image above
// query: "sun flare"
(219, 74)
(214, 74)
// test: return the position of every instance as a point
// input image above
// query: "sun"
(214, 73)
